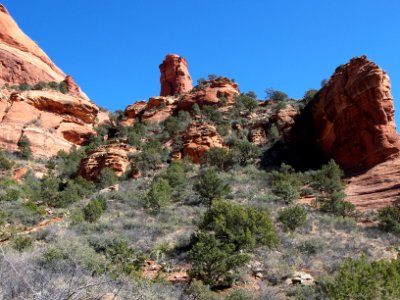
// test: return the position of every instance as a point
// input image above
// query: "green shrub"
(220, 158)
(151, 157)
(276, 95)
(240, 295)
(94, 209)
(68, 163)
(286, 191)
(245, 152)
(360, 279)
(215, 262)
(107, 178)
(121, 256)
(158, 196)
(24, 146)
(176, 175)
(10, 194)
(210, 113)
(335, 204)
(198, 291)
(329, 178)
(209, 186)
(293, 217)
(63, 87)
(40, 86)
(171, 125)
(245, 103)
(49, 190)
(24, 87)
(5, 163)
(242, 227)
(54, 85)
(389, 218)
(22, 242)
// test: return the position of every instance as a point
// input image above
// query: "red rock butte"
(354, 116)
(175, 78)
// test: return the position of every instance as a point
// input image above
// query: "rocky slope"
(376, 188)
(51, 120)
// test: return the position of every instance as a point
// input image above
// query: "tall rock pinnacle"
(175, 77)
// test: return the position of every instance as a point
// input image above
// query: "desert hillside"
(202, 192)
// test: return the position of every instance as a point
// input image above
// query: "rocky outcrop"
(72, 87)
(22, 60)
(158, 109)
(52, 121)
(377, 188)
(175, 78)
(354, 116)
(270, 123)
(132, 112)
(211, 92)
(114, 156)
(198, 139)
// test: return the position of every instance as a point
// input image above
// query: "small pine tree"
(209, 186)
(158, 196)
(293, 217)
(24, 146)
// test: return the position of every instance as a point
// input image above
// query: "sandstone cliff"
(354, 116)
(51, 120)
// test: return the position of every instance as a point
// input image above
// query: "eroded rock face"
(21, 59)
(354, 116)
(132, 112)
(211, 94)
(158, 109)
(198, 139)
(377, 188)
(52, 121)
(114, 156)
(72, 87)
(175, 78)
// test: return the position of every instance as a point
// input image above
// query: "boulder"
(114, 156)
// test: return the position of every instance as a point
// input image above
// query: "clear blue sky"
(113, 48)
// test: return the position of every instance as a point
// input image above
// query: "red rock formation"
(354, 116)
(210, 94)
(21, 58)
(198, 139)
(132, 112)
(158, 109)
(52, 121)
(114, 156)
(72, 87)
(377, 188)
(267, 119)
(175, 78)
